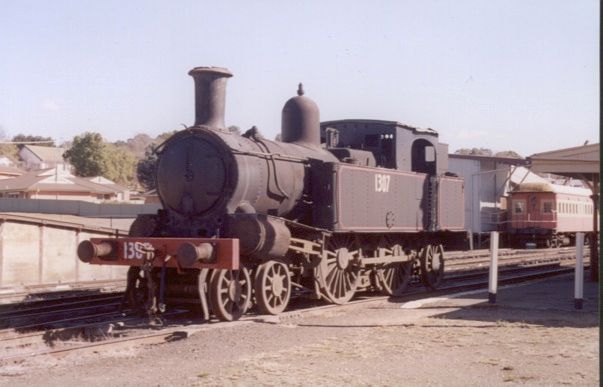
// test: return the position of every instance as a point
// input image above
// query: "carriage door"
(519, 215)
(532, 210)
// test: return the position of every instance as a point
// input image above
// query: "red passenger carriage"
(549, 214)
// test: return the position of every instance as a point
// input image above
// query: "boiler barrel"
(208, 172)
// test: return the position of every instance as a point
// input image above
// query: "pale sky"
(520, 75)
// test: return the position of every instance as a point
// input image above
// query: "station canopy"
(581, 162)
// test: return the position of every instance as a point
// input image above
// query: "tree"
(145, 170)
(138, 144)
(88, 155)
(474, 151)
(8, 150)
(29, 138)
(509, 153)
(121, 165)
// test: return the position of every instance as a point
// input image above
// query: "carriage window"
(547, 207)
(519, 206)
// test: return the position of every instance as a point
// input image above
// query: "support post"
(579, 272)
(470, 238)
(493, 277)
(594, 240)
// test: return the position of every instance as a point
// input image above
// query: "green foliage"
(130, 163)
(10, 150)
(120, 165)
(487, 152)
(138, 144)
(88, 155)
(474, 151)
(29, 138)
(145, 170)
(509, 153)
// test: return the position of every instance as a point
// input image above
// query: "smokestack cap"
(221, 71)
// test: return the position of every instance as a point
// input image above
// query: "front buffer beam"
(180, 253)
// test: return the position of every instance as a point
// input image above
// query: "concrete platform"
(548, 302)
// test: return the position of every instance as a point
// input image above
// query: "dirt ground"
(435, 342)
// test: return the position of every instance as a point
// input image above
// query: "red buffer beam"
(180, 253)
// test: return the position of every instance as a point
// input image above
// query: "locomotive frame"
(331, 210)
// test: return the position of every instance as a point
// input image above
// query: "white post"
(493, 277)
(579, 272)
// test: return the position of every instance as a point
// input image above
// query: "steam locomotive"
(331, 209)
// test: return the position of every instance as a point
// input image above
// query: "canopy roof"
(578, 162)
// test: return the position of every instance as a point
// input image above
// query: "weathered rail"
(113, 329)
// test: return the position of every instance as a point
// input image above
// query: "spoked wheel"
(230, 293)
(272, 286)
(395, 277)
(337, 272)
(137, 290)
(432, 265)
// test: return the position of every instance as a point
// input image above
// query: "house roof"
(11, 171)
(47, 153)
(51, 180)
(106, 183)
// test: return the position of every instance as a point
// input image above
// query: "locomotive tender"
(329, 210)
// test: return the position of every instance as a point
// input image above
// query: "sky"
(517, 75)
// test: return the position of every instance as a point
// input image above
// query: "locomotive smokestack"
(210, 95)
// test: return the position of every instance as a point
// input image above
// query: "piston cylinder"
(260, 237)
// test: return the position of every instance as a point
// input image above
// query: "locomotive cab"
(392, 144)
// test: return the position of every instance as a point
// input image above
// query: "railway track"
(49, 293)
(105, 326)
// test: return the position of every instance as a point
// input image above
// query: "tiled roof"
(106, 183)
(47, 153)
(4, 170)
(43, 181)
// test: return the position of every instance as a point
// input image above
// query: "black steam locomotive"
(329, 210)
